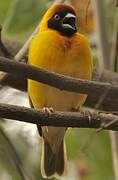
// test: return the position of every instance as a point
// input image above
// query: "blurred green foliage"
(94, 150)
(110, 11)
(87, 147)
(24, 16)
(4, 6)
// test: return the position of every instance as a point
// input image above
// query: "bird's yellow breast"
(69, 56)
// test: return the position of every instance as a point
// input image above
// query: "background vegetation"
(89, 152)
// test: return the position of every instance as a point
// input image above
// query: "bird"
(58, 47)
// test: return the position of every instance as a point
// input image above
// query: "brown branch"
(19, 83)
(93, 88)
(53, 79)
(14, 82)
(59, 119)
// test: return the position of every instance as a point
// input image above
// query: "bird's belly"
(66, 62)
(63, 100)
(46, 96)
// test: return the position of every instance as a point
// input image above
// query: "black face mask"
(64, 21)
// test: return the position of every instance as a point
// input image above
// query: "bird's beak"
(69, 22)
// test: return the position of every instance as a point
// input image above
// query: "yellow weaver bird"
(58, 47)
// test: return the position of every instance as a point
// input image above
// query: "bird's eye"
(56, 17)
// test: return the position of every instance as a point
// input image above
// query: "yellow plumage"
(68, 56)
(65, 55)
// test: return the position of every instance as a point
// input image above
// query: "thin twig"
(87, 8)
(101, 33)
(101, 99)
(114, 55)
(24, 49)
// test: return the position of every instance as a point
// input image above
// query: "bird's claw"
(48, 110)
(75, 109)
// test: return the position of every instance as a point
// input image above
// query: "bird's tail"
(53, 164)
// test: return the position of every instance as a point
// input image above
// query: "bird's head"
(60, 17)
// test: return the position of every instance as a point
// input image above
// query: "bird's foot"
(75, 109)
(48, 111)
